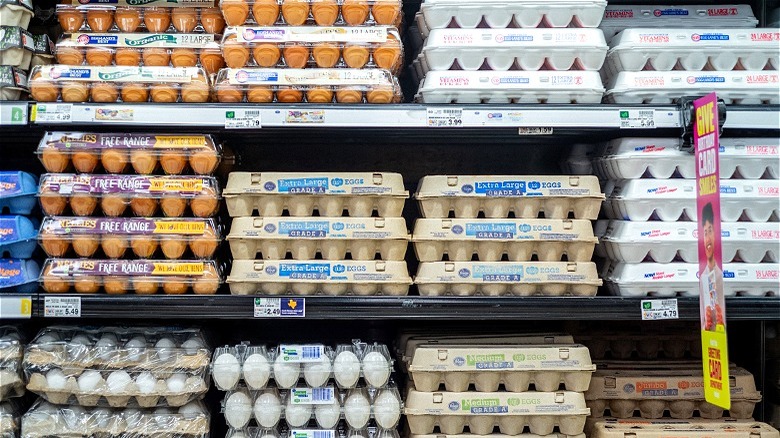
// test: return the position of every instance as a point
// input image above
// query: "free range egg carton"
(18, 237)
(457, 86)
(672, 279)
(506, 278)
(16, 13)
(490, 239)
(259, 432)
(669, 199)
(332, 238)
(632, 158)
(690, 428)
(736, 87)
(500, 196)
(511, 412)
(328, 277)
(645, 346)
(300, 194)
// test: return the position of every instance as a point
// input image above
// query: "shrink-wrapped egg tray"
(16, 47)
(648, 345)
(16, 13)
(166, 18)
(10, 418)
(258, 432)
(690, 428)
(11, 383)
(312, 12)
(13, 83)
(11, 378)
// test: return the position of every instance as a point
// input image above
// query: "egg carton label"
(13, 37)
(548, 37)
(8, 230)
(12, 77)
(121, 74)
(312, 77)
(12, 273)
(10, 184)
(495, 404)
(72, 141)
(122, 268)
(316, 184)
(506, 272)
(302, 353)
(446, 358)
(507, 186)
(67, 184)
(124, 226)
(503, 229)
(182, 40)
(659, 12)
(146, 3)
(692, 428)
(296, 433)
(314, 34)
(313, 396)
(322, 228)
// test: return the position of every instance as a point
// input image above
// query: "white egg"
(146, 383)
(237, 434)
(257, 371)
(135, 347)
(89, 380)
(106, 346)
(191, 410)
(165, 348)
(286, 374)
(55, 379)
(346, 369)
(176, 383)
(238, 410)
(80, 340)
(327, 415)
(100, 417)
(118, 381)
(357, 410)
(73, 415)
(132, 416)
(48, 341)
(387, 409)
(164, 418)
(317, 373)
(268, 409)
(297, 415)
(226, 371)
(192, 345)
(376, 369)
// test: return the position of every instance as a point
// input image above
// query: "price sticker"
(445, 117)
(61, 307)
(313, 396)
(15, 307)
(654, 310)
(53, 113)
(637, 119)
(280, 308)
(243, 119)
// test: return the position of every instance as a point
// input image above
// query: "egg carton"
(300, 194)
(11, 383)
(669, 199)
(10, 344)
(331, 238)
(16, 13)
(44, 50)
(128, 17)
(542, 412)
(19, 276)
(368, 13)
(258, 432)
(644, 346)
(111, 194)
(17, 237)
(16, 46)
(10, 416)
(499, 196)
(13, 83)
(495, 435)
(467, 87)
(672, 279)
(315, 363)
(507, 278)
(17, 192)
(691, 428)
(630, 158)
(738, 87)
(490, 239)
(45, 420)
(143, 236)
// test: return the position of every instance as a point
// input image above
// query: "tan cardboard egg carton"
(10, 418)
(331, 238)
(667, 428)
(330, 194)
(499, 196)
(495, 435)
(514, 367)
(482, 412)
(644, 346)
(491, 239)
(11, 384)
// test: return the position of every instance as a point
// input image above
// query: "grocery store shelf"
(14, 113)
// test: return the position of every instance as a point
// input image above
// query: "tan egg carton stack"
(691, 428)
(312, 12)
(11, 378)
(155, 16)
(642, 345)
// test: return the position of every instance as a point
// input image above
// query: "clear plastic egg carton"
(692, 428)
(542, 413)
(19, 276)
(13, 83)
(16, 46)
(736, 87)
(330, 194)
(669, 199)
(18, 237)
(672, 279)
(17, 192)
(507, 278)
(501, 196)
(312, 12)
(663, 242)
(324, 406)
(258, 432)
(331, 238)
(644, 346)
(11, 378)
(127, 16)
(519, 239)
(46, 420)
(16, 13)
(10, 418)
(468, 87)
(316, 364)
(631, 158)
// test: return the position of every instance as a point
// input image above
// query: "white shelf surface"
(14, 113)
(15, 306)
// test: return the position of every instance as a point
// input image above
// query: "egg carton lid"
(184, 228)
(500, 272)
(16, 229)
(620, 231)
(118, 74)
(560, 403)
(136, 186)
(319, 271)
(139, 40)
(505, 230)
(151, 270)
(530, 4)
(71, 142)
(477, 186)
(311, 34)
(689, 81)
(303, 353)
(303, 183)
(326, 395)
(552, 38)
(15, 184)
(529, 81)
(342, 228)
(500, 358)
(259, 432)
(646, 274)
(307, 77)
(668, 427)
(26, 4)
(145, 3)
(757, 147)
(695, 39)
(13, 78)
(677, 188)
(18, 274)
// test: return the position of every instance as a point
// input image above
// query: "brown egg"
(99, 56)
(133, 92)
(349, 95)
(211, 60)
(144, 286)
(143, 206)
(212, 20)
(227, 93)
(114, 247)
(70, 55)
(260, 94)
(326, 55)
(114, 160)
(157, 20)
(173, 161)
(74, 91)
(116, 285)
(295, 12)
(143, 161)
(54, 160)
(143, 247)
(173, 247)
(85, 161)
(43, 90)
(184, 58)
(164, 93)
(127, 18)
(173, 207)
(204, 246)
(203, 161)
(156, 57)
(195, 91)
(127, 56)
(86, 285)
(83, 205)
(175, 286)
(55, 285)
(205, 205)
(85, 246)
(266, 54)
(113, 205)
(388, 54)
(235, 11)
(386, 12)
(356, 56)
(296, 55)
(104, 92)
(266, 12)
(236, 55)
(319, 95)
(184, 19)
(71, 20)
(380, 95)
(54, 246)
(325, 12)
(355, 12)
(53, 204)
(100, 20)
(206, 286)
(289, 95)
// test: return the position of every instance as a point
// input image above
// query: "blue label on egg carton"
(11, 273)
(305, 271)
(10, 185)
(303, 185)
(489, 230)
(498, 273)
(8, 230)
(301, 353)
(304, 229)
(500, 188)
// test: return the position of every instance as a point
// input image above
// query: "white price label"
(445, 117)
(243, 119)
(313, 396)
(637, 119)
(653, 310)
(279, 307)
(61, 307)
(15, 307)
(53, 113)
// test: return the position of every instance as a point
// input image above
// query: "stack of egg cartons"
(307, 390)
(661, 53)
(11, 381)
(651, 195)
(17, 48)
(517, 51)
(113, 381)
(497, 218)
(17, 233)
(331, 254)
(93, 242)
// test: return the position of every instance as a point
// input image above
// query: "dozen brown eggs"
(129, 19)
(117, 246)
(208, 58)
(323, 12)
(231, 93)
(202, 205)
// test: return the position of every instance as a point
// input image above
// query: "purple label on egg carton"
(123, 141)
(67, 184)
(112, 184)
(10, 185)
(123, 226)
(124, 268)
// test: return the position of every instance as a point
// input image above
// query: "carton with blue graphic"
(17, 237)
(17, 192)
(18, 276)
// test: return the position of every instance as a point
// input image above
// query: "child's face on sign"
(709, 240)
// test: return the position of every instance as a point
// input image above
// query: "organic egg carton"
(300, 194)
(129, 17)
(737, 87)
(16, 47)
(500, 196)
(691, 428)
(331, 238)
(672, 279)
(259, 432)
(644, 346)
(13, 83)
(18, 237)
(632, 158)
(511, 412)
(669, 199)
(45, 420)
(506, 278)
(490, 239)
(16, 13)
(509, 87)
(17, 192)
(328, 277)
(19, 276)
(10, 418)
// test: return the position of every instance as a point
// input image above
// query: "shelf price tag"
(243, 119)
(15, 307)
(280, 308)
(637, 119)
(62, 307)
(52, 113)
(654, 310)
(444, 117)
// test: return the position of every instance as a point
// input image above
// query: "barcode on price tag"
(445, 117)
(280, 308)
(243, 119)
(630, 119)
(302, 353)
(61, 307)
(312, 396)
(653, 310)
(53, 113)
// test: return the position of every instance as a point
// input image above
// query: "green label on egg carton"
(313, 396)
(302, 353)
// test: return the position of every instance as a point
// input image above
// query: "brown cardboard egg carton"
(499, 196)
(491, 239)
(495, 435)
(482, 412)
(331, 238)
(668, 428)
(626, 346)
(300, 194)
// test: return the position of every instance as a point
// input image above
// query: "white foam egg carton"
(468, 87)
(737, 87)
(672, 279)
(631, 158)
(300, 194)
(482, 412)
(327, 277)
(499, 196)
(491, 239)
(669, 199)
(647, 345)
(507, 278)
(330, 238)
(501, 49)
